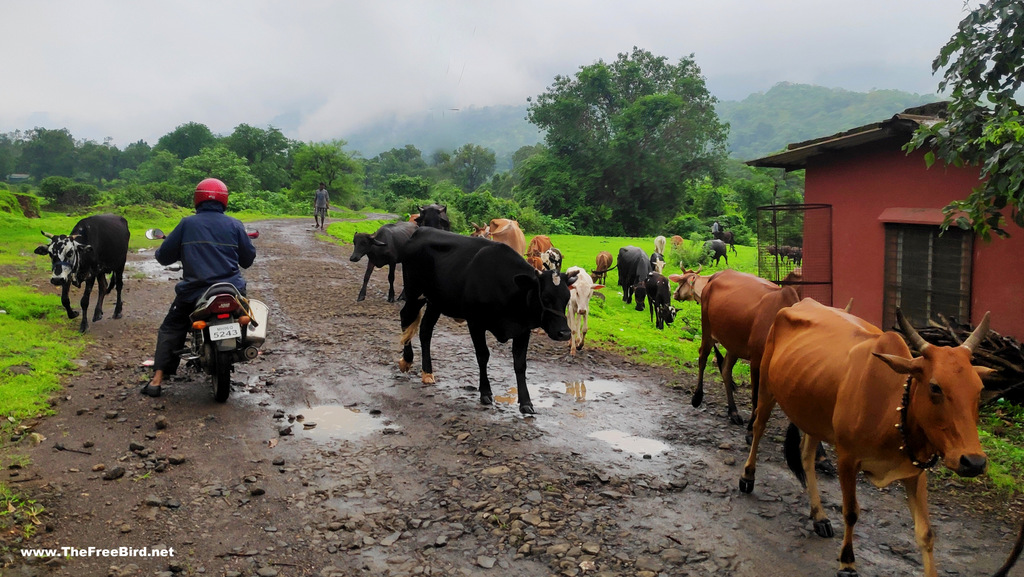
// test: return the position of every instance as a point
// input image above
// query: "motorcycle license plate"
(225, 331)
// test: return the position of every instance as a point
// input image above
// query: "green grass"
(1001, 427)
(39, 347)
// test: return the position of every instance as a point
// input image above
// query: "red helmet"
(211, 189)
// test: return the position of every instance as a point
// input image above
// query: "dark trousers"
(171, 336)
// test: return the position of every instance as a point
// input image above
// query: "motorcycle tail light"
(244, 320)
(223, 316)
(199, 325)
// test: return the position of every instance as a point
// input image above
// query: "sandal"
(150, 390)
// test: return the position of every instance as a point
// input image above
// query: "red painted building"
(886, 250)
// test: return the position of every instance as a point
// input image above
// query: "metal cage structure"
(794, 247)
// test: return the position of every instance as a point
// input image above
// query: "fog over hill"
(760, 124)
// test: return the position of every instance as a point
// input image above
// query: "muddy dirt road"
(328, 461)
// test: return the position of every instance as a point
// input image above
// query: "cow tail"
(1014, 554)
(410, 330)
(719, 359)
(791, 449)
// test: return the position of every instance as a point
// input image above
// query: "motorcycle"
(227, 328)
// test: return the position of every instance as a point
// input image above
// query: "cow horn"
(915, 339)
(46, 234)
(700, 266)
(979, 333)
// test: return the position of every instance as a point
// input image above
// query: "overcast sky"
(320, 69)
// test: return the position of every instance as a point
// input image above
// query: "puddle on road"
(545, 394)
(336, 422)
(153, 269)
(630, 443)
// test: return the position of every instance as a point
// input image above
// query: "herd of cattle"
(836, 377)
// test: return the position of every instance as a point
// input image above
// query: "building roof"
(901, 125)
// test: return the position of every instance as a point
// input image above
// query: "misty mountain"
(503, 129)
(763, 123)
(760, 124)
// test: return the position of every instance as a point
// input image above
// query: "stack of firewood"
(1004, 354)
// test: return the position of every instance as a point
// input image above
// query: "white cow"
(579, 306)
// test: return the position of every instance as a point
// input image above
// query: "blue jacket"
(211, 247)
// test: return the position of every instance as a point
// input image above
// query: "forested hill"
(503, 129)
(760, 124)
(763, 123)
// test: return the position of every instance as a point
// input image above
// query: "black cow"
(659, 297)
(434, 216)
(96, 246)
(727, 237)
(491, 287)
(717, 248)
(381, 248)
(634, 266)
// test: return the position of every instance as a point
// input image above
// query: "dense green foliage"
(983, 62)
(623, 141)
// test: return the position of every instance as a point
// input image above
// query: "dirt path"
(381, 475)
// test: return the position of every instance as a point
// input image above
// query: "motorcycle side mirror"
(155, 234)
(253, 233)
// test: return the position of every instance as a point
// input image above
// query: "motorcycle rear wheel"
(220, 377)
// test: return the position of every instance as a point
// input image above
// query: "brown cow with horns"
(842, 380)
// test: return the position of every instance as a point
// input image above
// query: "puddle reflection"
(544, 394)
(630, 443)
(336, 422)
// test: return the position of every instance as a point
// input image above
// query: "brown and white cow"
(538, 245)
(691, 284)
(579, 306)
(842, 380)
(736, 310)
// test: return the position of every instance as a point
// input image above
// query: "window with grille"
(926, 274)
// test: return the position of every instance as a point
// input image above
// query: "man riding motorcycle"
(212, 247)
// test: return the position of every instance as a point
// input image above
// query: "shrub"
(691, 254)
(64, 191)
(131, 194)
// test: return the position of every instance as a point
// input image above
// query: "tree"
(186, 140)
(407, 161)
(217, 162)
(266, 151)
(325, 162)
(48, 153)
(630, 134)
(159, 167)
(983, 127)
(96, 162)
(133, 155)
(471, 166)
(10, 150)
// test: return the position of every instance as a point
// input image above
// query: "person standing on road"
(212, 248)
(321, 202)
